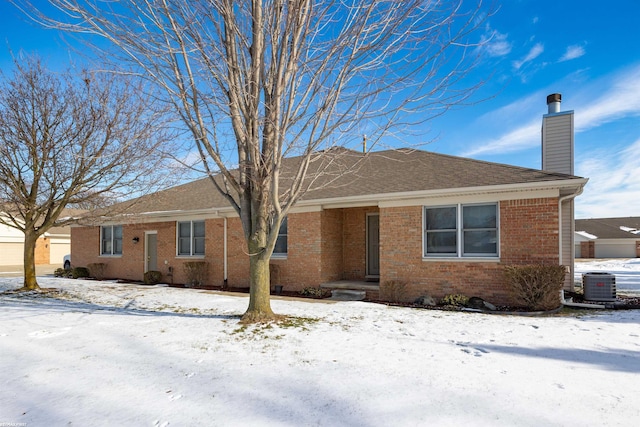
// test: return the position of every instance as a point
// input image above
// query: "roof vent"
(553, 102)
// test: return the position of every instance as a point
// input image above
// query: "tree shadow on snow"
(29, 306)
(610, 359)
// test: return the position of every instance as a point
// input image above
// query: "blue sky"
(586, 50)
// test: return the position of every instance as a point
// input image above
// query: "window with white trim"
(461, 230)
(111, 240)
(281, 244)
(190, 238)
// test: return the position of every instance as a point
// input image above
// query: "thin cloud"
(614, 183)
(495, 43)
(622, 99)
(535, 51)
(572, 52)
(518, 139)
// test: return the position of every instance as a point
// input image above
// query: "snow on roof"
(586, 235)
(630, 229)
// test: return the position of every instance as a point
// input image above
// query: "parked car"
(66, 261)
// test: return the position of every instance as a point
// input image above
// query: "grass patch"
(269, 330)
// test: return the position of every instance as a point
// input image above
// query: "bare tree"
(69, 140)
(256, 81)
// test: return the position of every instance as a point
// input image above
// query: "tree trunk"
(29, 262)
(259, 294)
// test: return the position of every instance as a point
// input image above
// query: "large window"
(111, 240)
(281, 244)
(191, 238)
(461, 231)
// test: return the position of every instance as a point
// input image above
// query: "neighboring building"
(441, 224)
(608, 238)
(50, 248)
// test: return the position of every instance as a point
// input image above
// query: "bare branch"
(257, 81)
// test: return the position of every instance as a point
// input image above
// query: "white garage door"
(59, 248)
(616, 250)
(11, 253)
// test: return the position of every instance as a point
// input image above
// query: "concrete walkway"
(16, 270)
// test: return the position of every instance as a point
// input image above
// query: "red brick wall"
(237, 254)
(528, 234)
(330, 245)
(303, 264)
(85, 249)
(322, 247)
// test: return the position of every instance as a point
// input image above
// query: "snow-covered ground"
(106, 354)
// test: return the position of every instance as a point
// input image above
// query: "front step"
(348, 295)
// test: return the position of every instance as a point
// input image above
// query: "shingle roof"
(341, 173)
(609, 228)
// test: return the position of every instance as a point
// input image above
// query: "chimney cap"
(554, 97)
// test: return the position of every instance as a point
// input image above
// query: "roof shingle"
(609, 228)
(341, 173)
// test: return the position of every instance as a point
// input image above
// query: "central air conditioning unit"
(599, 286)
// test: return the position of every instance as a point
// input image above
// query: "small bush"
(310, 291)
(79, 272)
(61, 272)
(152, 277)
(456, 300)
(97, 270)
(536, 287)
(393, 291)
(196, 272)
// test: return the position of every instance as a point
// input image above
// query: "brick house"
(442, 224)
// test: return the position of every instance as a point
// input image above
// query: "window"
(461, 231)
(191, 238)
(111, 240)
(281, 244)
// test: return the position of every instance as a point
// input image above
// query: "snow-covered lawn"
(107, 354)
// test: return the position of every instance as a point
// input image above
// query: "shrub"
(393, 291)
(310, 291)
(97, 270)
(536, 287)
(196, 272)
(152, 277)
(61, 272)
(79, 272)
(456, 300)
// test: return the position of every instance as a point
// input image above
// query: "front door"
(151, 250)
(373, 246)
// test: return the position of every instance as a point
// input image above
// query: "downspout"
(224, 254)
(560, 201)
(571, 270)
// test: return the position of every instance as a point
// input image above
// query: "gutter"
(453, 192)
